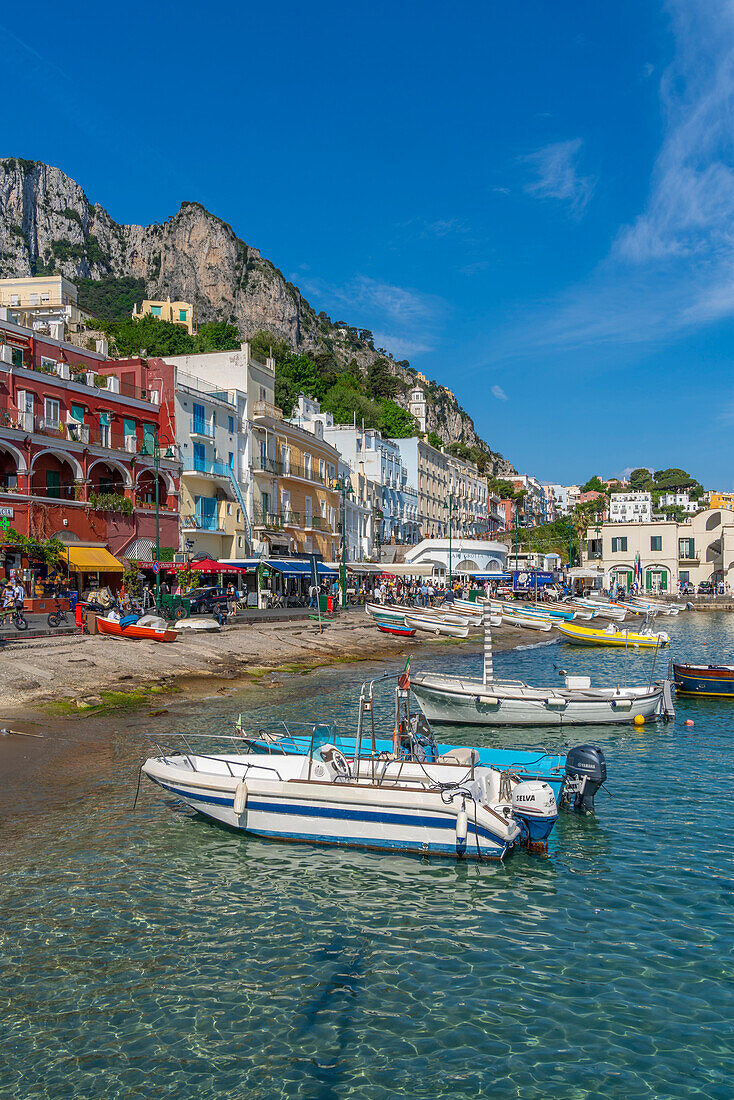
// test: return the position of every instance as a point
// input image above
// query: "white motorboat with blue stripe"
(445, 808)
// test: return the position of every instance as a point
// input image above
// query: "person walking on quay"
(231, 598)
(313, 595)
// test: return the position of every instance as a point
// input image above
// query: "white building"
(679, 500)
(458, 556)
(534, 506)
(630, 507)
(418, 407)
(662, 553)
(470, 494)
(221, 448)
(372, 460)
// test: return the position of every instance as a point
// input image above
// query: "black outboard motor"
(586, 770)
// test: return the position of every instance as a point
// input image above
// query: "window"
(182, 314)
(323, 509)
(46, 362)
(14, 300)
(231, 460)
(686, 549)
(307, 466)
(198, 419)
(322, 469)
(593, 547)
(230, 424)
(205, 509)
(45, 297)
(308, 511)
(285, 503)
(155, 310)
(51, 411)
(330, 471)
(332, 518)
(684, 576)
(263, 454)
(129, 427)
(199, 458)
(619, 545)
(105, 429)
(229, 509)
(656, 542)
(17, 355)
(34, 299)
(149, 438)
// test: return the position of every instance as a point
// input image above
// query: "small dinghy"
(434, 625)
(391, 627)
(150, 627)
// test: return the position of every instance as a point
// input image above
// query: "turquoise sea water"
(151, 954)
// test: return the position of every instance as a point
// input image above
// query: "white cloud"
(499, 393)
(557, 175)
(403, 320)
(672, 269)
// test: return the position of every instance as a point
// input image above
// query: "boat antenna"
(488, 671)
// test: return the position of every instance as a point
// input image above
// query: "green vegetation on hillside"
(149, 336)
(346, 394)
(110, 299)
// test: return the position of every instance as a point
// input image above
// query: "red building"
(78, 435)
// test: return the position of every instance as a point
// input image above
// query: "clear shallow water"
(152, 954)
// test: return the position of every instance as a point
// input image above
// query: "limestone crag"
(47, 224)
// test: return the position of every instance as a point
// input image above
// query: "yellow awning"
(92, 559)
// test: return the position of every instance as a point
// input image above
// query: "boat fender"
(240, 798)
(461, 829)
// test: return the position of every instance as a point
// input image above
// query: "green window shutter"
(105, 418)
(182, 315)
(129, 426)
(77, 411)
(155, 310)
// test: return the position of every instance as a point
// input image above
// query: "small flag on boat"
(404, 677)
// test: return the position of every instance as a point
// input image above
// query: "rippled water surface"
(152, 954)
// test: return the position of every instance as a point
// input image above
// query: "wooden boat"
(704, 679)
(152, 634)
(612, 636)
(388, 627)
(434, 625)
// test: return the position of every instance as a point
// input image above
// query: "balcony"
(276, 521)
(316, 523)
(200, 523)
(264, 408)
(689, 555)
(266, 465)
(201, 428)
(208, 469)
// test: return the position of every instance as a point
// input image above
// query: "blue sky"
(532, 202)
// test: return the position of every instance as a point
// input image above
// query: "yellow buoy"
(639, 720)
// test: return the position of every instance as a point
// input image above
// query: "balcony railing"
(275, 521)
(200, 523)
(689, 555)
(264, 408)
(266, 465)
(213, 469)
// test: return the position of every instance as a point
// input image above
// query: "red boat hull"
(106, 626)
(403, 631)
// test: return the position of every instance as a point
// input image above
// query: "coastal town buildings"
(534, 508)
(78, 454)
(176, 313)
(469, 498)
(682, 500)
(632, 506)
(44, 303)
(372, 460)
(721, 500)
(418, 407)
(660, 554)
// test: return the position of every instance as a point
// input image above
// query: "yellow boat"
(586, 635)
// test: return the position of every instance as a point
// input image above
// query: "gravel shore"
(72, 670)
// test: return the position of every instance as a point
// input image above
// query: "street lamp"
(342, 484)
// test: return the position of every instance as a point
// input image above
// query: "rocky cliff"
(48, 225)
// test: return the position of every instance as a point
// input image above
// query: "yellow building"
(722, 500)
(177, 313)
(37, 302)
(295, 510)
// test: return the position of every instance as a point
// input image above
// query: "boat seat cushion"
(460, 754)
(578, 682)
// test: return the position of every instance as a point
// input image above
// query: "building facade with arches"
(659, 556)
(79, 449)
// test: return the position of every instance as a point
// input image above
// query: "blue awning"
(297, 568)
(495, 576)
